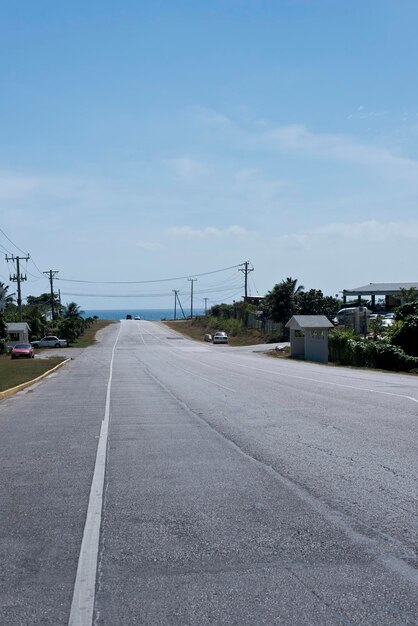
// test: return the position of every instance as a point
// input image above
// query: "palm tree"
(290, 284)
(72, 310)
(3, 293)
(36, 320)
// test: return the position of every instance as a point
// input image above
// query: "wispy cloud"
(15, 185)
(211, 117)
(207, 232)
(298, 138)
(186, 168)
(361, 232)
(149, 246)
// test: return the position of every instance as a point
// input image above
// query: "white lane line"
(325, 382)
(82, 605)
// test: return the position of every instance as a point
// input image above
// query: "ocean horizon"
(145, 314)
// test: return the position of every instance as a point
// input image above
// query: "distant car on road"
(220, 337)
(207, 337)
(51, 341)
(129, 317)
(22, 351)
(137, 317)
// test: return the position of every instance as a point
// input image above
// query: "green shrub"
(406, 336)
(347, 349)
(404, 311)
(340, 348)
(234, 327)
(393, 358)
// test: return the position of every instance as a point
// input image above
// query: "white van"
(345, 316)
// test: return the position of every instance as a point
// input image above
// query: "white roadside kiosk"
(309, 337)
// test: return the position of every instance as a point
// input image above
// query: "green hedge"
(347, 350)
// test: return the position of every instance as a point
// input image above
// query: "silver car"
(51, 341)
(220, 337)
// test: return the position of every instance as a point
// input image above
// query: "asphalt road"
(159, 481)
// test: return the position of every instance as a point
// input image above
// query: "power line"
(232, 295)
(33, 276)
(151, 294)
(13, 244)
(230, 278)
(117, 295)
(20, 250)
(141, 282)
(5, 249)
(255, 286)
(41, 273)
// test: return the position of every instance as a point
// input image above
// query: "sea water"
(145, 314)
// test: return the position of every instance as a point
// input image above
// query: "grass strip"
(195, 329)
(17, 371)
(88, 338)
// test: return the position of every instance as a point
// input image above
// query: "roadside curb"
(13, 390)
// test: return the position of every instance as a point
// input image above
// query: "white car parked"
(220, 337)
(49, 342)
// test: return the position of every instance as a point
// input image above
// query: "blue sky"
(157, 139)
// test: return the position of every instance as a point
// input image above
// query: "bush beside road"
(238, 335)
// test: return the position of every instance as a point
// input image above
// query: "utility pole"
(175, 291)
(246, 269)
(51, 274)
(177, 299)
(18, 278)
(191, 280)
(206, 305)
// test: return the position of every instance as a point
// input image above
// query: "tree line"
(287, 298)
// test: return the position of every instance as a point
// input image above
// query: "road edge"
(10, 392)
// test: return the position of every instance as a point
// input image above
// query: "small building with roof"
(391, 292)
(18, 332)
(309, 337)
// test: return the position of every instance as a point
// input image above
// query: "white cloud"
(207, 232)
(15, 185)
(210, 117)
(361, 233)
(342, 147)
(149, 246)
(186, 168)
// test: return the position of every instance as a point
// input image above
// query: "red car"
(22, 351)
